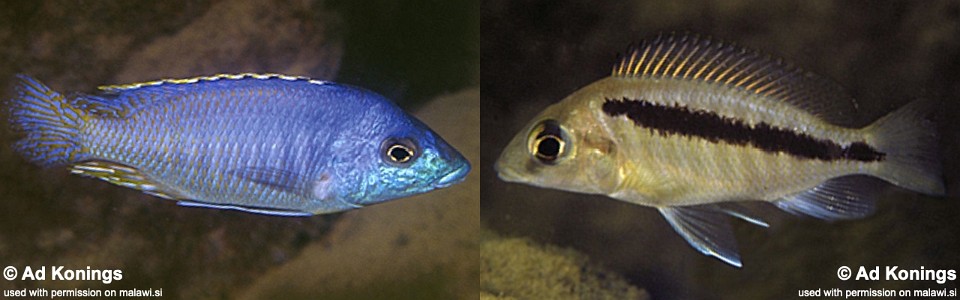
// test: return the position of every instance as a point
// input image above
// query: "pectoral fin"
(283, 180)
(273, 177)
(743, 213)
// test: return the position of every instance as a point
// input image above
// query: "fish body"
(261, 143)
(691, 125)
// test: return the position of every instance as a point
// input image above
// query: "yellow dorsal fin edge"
(262, 76)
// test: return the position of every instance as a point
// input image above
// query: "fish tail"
(910, 142)
(49, 124)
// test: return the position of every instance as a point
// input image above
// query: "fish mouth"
(505, 173)
(454, 177)
(508, 176)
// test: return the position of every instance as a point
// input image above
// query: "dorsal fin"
(217, 77)
(692, 57)
(121, 100)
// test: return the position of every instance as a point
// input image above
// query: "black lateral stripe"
(707, 125)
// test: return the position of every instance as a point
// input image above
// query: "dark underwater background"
(422, 54)
(884, 53)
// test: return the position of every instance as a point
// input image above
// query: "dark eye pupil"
(399, 153)
(548, 148)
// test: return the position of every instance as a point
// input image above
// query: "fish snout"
(506, 167)
(456, 166)
(457, 175)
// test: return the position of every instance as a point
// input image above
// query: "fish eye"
(399, 151)
(548, 147)
(547, 141)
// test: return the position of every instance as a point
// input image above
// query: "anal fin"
(124, 176)
(842, 198)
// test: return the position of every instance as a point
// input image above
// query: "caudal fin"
(909, 140)
(50, 125)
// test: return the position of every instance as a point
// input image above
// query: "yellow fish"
(688, 125)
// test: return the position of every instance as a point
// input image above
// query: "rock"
(519, 268)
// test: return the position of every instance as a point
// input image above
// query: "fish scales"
(270, 144)
(209, 131)
(719, 176)
(690, 125)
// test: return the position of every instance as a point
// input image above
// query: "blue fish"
(260, 143)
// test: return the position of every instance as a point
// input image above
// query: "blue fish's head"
(403, 157)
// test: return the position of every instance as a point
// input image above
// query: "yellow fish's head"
(563, 148)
